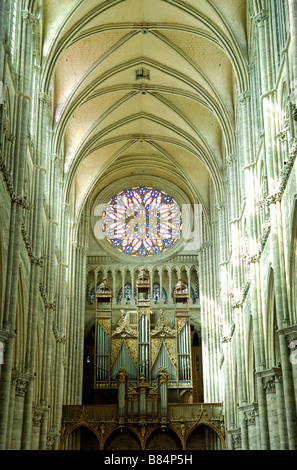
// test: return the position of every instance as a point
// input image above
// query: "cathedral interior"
(148, 225)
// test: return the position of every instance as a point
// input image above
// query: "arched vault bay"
(136, 160)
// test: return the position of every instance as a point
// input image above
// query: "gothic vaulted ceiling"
(143, 89)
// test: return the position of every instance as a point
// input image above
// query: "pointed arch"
(211, 435)
(78, 427)
(122, 439)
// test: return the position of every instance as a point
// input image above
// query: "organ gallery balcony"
(183, 423)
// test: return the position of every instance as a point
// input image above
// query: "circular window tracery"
(142, 221)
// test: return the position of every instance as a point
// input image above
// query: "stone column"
(169, 284)
(133, 285)
(244, 100)
(37, 417)
(290, 335)
(276, 234)
(50, 301)
(34, 298)
(58, 384)
(251, 414)
(21, 381)
(269, 389)
(211, 323)
(123, 284)
(43, 428)
(283, 434)
(225, 323)
(114, 294)
(81, 323)
(151, 276)
(59, 321)
(161, 284)
(293, 34)
(71, 342)
(236, 294)
(236, 439)
(19, 152)
(11, 410)
(75, 329)
(2, 35)
(204, 323)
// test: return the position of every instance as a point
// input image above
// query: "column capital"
(269, 378)
(236, 438)
(21, 381)
(37, 415)
(51, 439)
(205, 246)
(268, 384)
(59, 337)
(250, 417)
(250, 412)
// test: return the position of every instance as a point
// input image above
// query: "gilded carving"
(162, 375)
(116, 345)
(162, 328)
(102, 429)
(144, 311)
(180, 323)
(105, 325)
(123, 329)
(183, 427)
(132, 348)
(156, 344)
(122, 375)
(170, 346)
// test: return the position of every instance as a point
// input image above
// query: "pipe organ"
(141, 350)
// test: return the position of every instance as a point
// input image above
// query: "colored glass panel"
(142, 221)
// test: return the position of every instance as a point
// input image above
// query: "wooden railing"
(103, 420)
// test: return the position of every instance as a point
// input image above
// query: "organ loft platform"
(141, 373)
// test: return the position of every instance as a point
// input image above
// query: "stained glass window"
(193, 295)
(194, 292)
(128, 293)
(142, 221)
(91, 296)
(156, 292)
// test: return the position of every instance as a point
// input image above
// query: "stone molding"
(37, 415)
(21, 382)
(236, 438)
(269, 378)
(59, 337)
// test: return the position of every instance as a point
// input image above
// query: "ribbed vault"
(144, 89)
